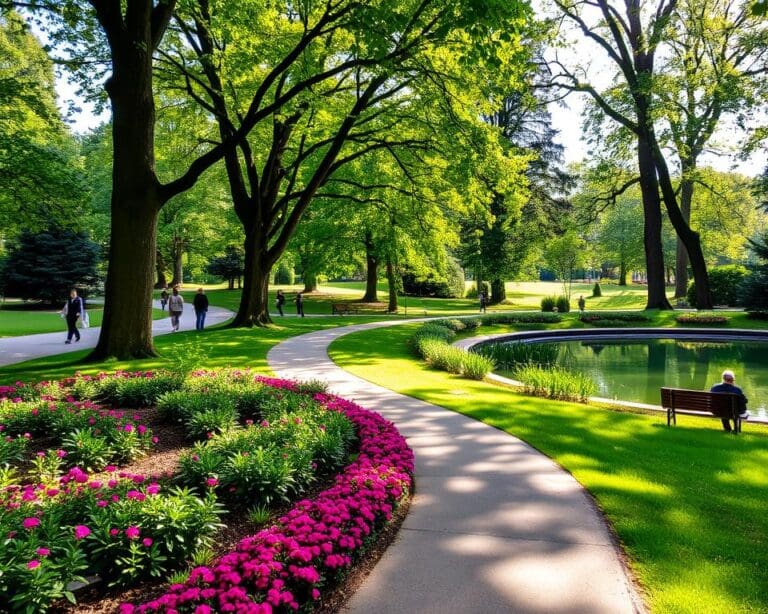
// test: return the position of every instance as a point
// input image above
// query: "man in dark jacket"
(72, 311)
(200, 303)
(728, 385)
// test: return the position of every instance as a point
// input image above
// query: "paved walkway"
(495, 526)
(19, 349)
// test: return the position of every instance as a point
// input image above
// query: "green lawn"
(688, 503)
(15, 322)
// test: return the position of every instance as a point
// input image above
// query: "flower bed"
(124, 527)
(282, 568)
(613, 318)
(697, 318)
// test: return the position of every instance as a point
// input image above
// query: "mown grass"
(15, 321)
(688, 503)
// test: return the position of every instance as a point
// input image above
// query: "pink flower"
(114, 532)
(110, 468)
(102, 503)
(211, 482)
(30, 523)
(153, 489)
(155, 440)
(147, 541)
(43, 552)
(61, 453)
(81, 531)
(33, 564)
(132, 532)
(128, 428)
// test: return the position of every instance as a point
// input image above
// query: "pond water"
(634, 370)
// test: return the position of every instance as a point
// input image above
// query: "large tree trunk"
(371, 272)
(498, 291)
(310, 281)
(177, 253)
(689, 237)
(392, 282)
(681, 260)
(162, 281)
(623, 273)
(126, 331)
(654, 254)
(254, 300)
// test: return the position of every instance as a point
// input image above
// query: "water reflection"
(634, 370)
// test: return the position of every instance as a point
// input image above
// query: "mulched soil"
(99, 599)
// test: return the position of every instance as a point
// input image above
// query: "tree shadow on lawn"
(688, 502)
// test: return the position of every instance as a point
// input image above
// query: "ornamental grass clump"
(707, 319)
(509, 355)
(555, 382)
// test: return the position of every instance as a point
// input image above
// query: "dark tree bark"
(681, 259)
(371, 270)
(310, 281)
(162, 281)
(498, 291)
(177, 253)
(126, 329)
(622, 273)
(392, 282)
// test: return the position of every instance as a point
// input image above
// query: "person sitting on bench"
(727, 385)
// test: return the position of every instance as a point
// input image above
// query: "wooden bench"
(343, 308)
(699, 403)
(357, 308)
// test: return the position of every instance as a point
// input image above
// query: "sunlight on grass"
(687, 503)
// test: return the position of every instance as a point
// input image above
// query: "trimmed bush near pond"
(701, 318)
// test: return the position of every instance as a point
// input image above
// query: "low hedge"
(697, 318)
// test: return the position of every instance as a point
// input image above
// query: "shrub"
(724, 285)
(555, 382)
(290, 564)
(455, 324)
(548, 303)
(136, 389)
(476, 366)
(450, 285)
(757, 315)
(285, 274)
(520, 318)
(199, 413)
(698, 318)
(596, 291)
(472, 292)
(563, 304)
(613, 318)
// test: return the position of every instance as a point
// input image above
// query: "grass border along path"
(688, 504)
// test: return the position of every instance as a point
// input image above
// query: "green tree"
(620, 242)
(229, 266)
(564, 255)
(40, 168)
(333, 83)
(632, 46)
(45, 266)
(715, 70)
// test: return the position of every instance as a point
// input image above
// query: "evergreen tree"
(230, 266)
(46, 266)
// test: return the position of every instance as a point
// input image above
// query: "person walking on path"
(163, 298)
(280, 301)
(200, 303)
(481, 298)
(72, 310)
(175, 308)
(299, 304)
(582, 304)
(728, 385)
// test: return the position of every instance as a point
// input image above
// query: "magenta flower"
(132, 532)
(211, 482)
(81, 531)
(147, 541)
(33, 564)
(43, 552)
(30, 523)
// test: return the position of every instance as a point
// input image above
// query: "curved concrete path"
(27, 347)
(495, 526)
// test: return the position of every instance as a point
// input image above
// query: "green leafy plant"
(555, 382)
(508, 355)
(548, 303)
(596, 291)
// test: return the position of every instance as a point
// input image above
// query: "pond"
(635, 369)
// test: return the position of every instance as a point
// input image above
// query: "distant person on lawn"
(175, 308)
(728, 385)
(299, 304)
(280, 301)
(200, 303)
(71, 312)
